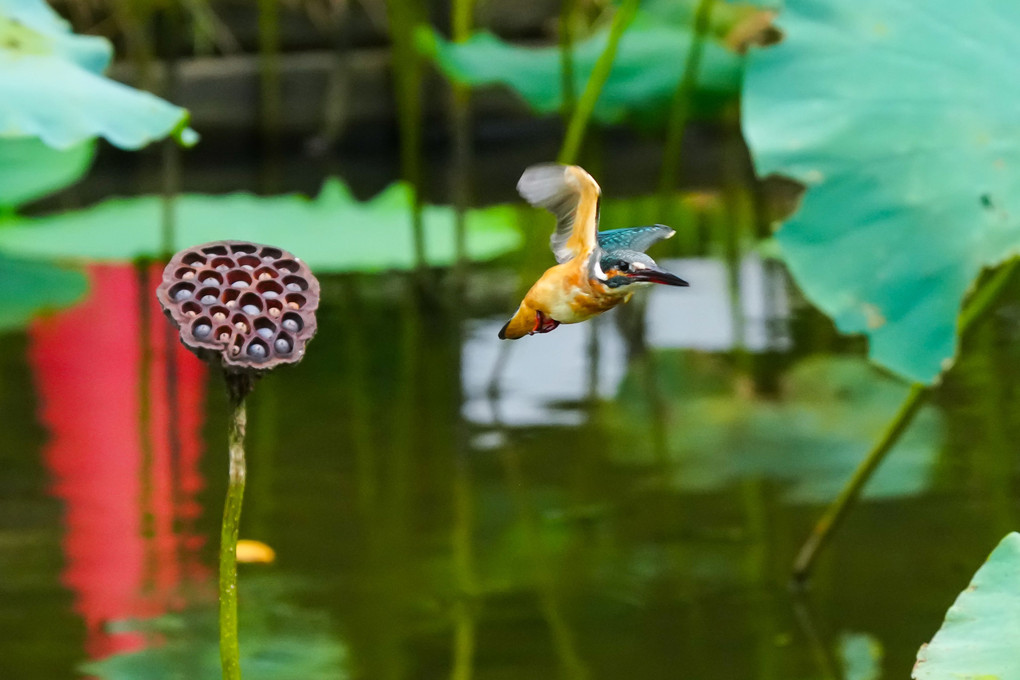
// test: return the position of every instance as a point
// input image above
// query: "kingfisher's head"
(630, 267)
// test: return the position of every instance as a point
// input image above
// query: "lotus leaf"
(29, 287)
(861, 655)
(978, 638)
(810, 440)
(901, 120)
(52, 87)
(335, 232)
(29, 169)
(280, 641)
(649, 63)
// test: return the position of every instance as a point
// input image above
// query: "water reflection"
(647, 531)
(127, 477)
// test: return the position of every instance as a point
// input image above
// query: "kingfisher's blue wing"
(633, 238)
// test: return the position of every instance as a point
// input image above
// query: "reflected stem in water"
(562, 635)
(820, 649)
(238, 387)
(465, 625)
(980, 303)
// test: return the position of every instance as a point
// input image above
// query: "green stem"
(463, 11)
(567, 58)
(976, 308)
(680, 110)
(270, 111)
(406, 65)
(230, 655)
(596, 81)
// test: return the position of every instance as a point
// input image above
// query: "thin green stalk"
(230, 656)
(460, 119)
(976, 308)
(836, 512)
(269, 84)
(406, 66)
(680, 110)
(567, 58)
(596, 81)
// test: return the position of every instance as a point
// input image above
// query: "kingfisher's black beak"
(656, 275)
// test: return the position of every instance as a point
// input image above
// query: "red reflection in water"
(127, 478)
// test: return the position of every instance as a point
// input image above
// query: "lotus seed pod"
(202, 284)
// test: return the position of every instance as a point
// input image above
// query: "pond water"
(617, 499)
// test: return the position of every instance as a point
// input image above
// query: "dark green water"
(631, 511)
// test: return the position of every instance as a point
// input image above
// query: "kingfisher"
(595, 270)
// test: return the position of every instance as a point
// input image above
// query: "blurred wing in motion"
(569, 193)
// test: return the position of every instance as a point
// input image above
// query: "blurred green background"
(622, 498)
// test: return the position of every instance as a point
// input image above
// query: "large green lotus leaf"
(29, 169)
(27, 288)
(900, 117)
(649, 62)
(334, 232)
(978, 640)
(810, 440)
(52, 87)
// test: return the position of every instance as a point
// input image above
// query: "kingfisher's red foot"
(544, 324)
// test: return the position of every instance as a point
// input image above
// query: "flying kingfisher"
(596, 270)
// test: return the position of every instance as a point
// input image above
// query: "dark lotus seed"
(202, 330)
(290, 325)
(208, 299)
(250, 309)
(240, 284)
(265, 332)
(293, 286)
(182, 294)
(257, 350)
(282, 346)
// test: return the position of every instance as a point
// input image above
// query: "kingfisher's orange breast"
(565, 293)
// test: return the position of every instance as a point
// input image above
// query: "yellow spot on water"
(249, 551)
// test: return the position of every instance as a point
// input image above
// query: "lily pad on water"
(810, 440)
(279, 641)
(29, 287)
(52, 87)
(334, 232)
(649, 63)
(901, 120)
(978, 639)
(861, 655)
